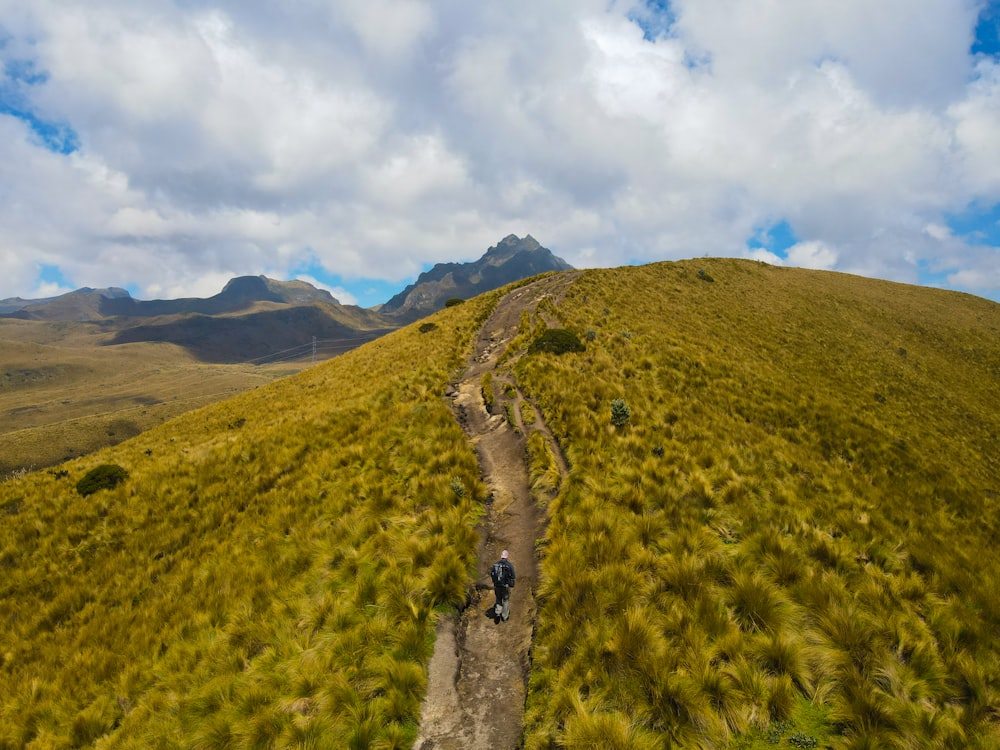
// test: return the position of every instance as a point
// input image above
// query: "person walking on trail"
(503, 577)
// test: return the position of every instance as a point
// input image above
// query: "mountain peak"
(511, 259)
(512, 244)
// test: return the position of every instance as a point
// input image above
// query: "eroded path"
(479, 670)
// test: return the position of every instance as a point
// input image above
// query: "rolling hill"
(774, 530)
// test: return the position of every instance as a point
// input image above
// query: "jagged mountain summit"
(509, 260)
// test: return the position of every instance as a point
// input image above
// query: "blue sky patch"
(24, 72)
(977, 225)
(368, 292)
(776, 238)
(56, 136)
(19, 76)
(53, 275)
(987, 40)
(654, 17)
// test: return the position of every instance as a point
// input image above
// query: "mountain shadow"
(270, 335)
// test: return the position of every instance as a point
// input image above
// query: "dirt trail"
(479, 670)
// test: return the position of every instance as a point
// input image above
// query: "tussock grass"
(543, 469)
(268, 574)
(800, 512)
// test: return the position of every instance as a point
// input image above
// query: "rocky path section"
(479, 670)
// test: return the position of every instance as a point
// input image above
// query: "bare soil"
(479, 671)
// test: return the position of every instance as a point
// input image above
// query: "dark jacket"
(503, 574)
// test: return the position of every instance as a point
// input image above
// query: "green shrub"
(620, 412)
(454, 301)
(800, 739)
(558, 341)
(103, 477)
(427, 327)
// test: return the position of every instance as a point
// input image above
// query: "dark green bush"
(558, 341)
(454, 301)
(102, 477)
(620, 412)
(799, 739)
(427, 327)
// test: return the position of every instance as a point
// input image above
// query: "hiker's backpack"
(499, 574)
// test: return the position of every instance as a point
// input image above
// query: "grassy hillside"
(793, 539)
(63, 397)
(789, 540)
(265, 577)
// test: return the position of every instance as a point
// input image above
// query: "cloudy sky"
(166, 146)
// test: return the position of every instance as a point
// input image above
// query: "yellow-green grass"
(792, 537)
(267, 576)
(801, 511)
(73, 394)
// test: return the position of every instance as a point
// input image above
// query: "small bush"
(558, 341)
(800, 739)
(454, 301)
(427, 327)
(704, 275)
(620, 412)
(103, 477)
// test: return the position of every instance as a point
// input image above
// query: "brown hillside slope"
(71, 397)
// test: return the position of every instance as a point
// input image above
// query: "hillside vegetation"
(792, 538)
(64, 394)
(266, 576)
(777, 529)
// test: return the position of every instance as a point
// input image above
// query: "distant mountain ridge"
(254, 317)
(509, 260)
(239, 294)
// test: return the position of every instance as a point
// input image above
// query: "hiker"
(503, 577)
